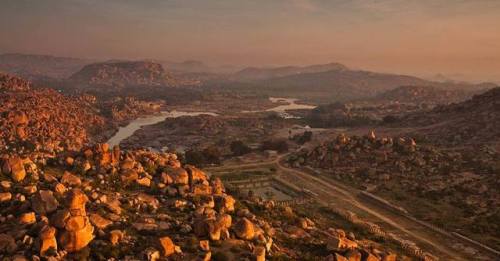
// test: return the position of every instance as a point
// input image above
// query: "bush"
(209, 155)
(239, 148)
(277, 145)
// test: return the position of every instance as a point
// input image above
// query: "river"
(127, 131)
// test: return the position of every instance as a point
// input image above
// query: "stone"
(244, 229)
(59, 218)
(205, 245)
(260, 253)
(18, 173)
(336, 243)
(353, 255)
(114, 206)
(78, 231)
(146, 182)
(195, 175)
(60, 189)
(115, 236)
(151, 254)
(371, 257)
(5, 196)
(70, 179)
(77, 234)
(166, 179)
(167, 246)
(75, 202)
(207, 256)
(27, 218)
(127, 164)
(99, 222)
(390, 257)
(44, 202)
(129, 176)
(48, 244)
(179, 175)
(338, 257)
(225, 221)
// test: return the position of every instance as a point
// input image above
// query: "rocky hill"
(121, 74)
(40, 66)
(43, 118)
(476, 120)
(455, 190)
(255, 73)
(328, 83)
(62, 198)
(423, 95)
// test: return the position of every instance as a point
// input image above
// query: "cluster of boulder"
(32, 119)
(103, 203)
(139, 204)
(462, 179)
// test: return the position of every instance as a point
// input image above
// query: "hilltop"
(424, 95)
(44, 118)
(472, 121)
(120, 74)
(256, 73)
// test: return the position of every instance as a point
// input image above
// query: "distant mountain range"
(329, 82)
(40, 66)
(424, 94)
(254, 73)
(323, 83)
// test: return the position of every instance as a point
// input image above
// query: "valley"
(391, 166)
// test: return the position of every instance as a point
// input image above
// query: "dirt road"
(333, 194)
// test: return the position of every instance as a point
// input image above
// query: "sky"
(457, 38)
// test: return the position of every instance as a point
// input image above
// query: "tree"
(239, 148)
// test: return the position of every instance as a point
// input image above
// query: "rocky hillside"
(43, 118)
(456, 190)
(121, 74)
(476, 120)
(99, 203)
(254, 73)
(40, 66)
(328, 83)
(423, 95)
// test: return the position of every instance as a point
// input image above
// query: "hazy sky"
(421, 37)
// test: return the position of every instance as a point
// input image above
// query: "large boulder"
(78, 230)
(179, 175)
(167, 246)
(44, 202)
(244, 229)
(71, 179)
(15, 167)
(48, 241)
(77, 234)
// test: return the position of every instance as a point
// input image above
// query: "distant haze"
(456, 38)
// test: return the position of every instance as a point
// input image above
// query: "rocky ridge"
(43, 119)
(101, 203)
(432, 182)
(121, 74)
(473, 121)
(62, 198)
